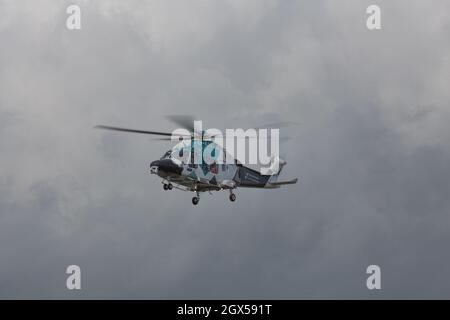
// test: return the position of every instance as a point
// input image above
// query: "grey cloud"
(371, 152)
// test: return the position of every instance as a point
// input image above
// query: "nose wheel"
(167, 186)
(196, 199)
(232, 197)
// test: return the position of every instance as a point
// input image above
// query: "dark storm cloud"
(371, 152)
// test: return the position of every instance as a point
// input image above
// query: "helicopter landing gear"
(232, 197)
(196, 199)
(167, 186)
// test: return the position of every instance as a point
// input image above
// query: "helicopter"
(178, 169)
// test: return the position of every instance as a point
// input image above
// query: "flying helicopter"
(177, 167)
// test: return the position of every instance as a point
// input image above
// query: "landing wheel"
(232, 197)
(195, 200)
(165, 186)
(170, 186)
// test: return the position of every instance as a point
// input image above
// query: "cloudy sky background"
(372, 151)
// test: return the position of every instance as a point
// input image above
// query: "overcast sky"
(372, 152)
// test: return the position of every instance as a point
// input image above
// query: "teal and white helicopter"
(180, 167)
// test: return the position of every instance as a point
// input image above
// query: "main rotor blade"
(134, 131)
(281, 124)
(165, 139)
(184, 121)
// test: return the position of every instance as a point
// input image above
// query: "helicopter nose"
(165, 165)
(154, 167)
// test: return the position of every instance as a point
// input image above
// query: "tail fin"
(275, 169)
